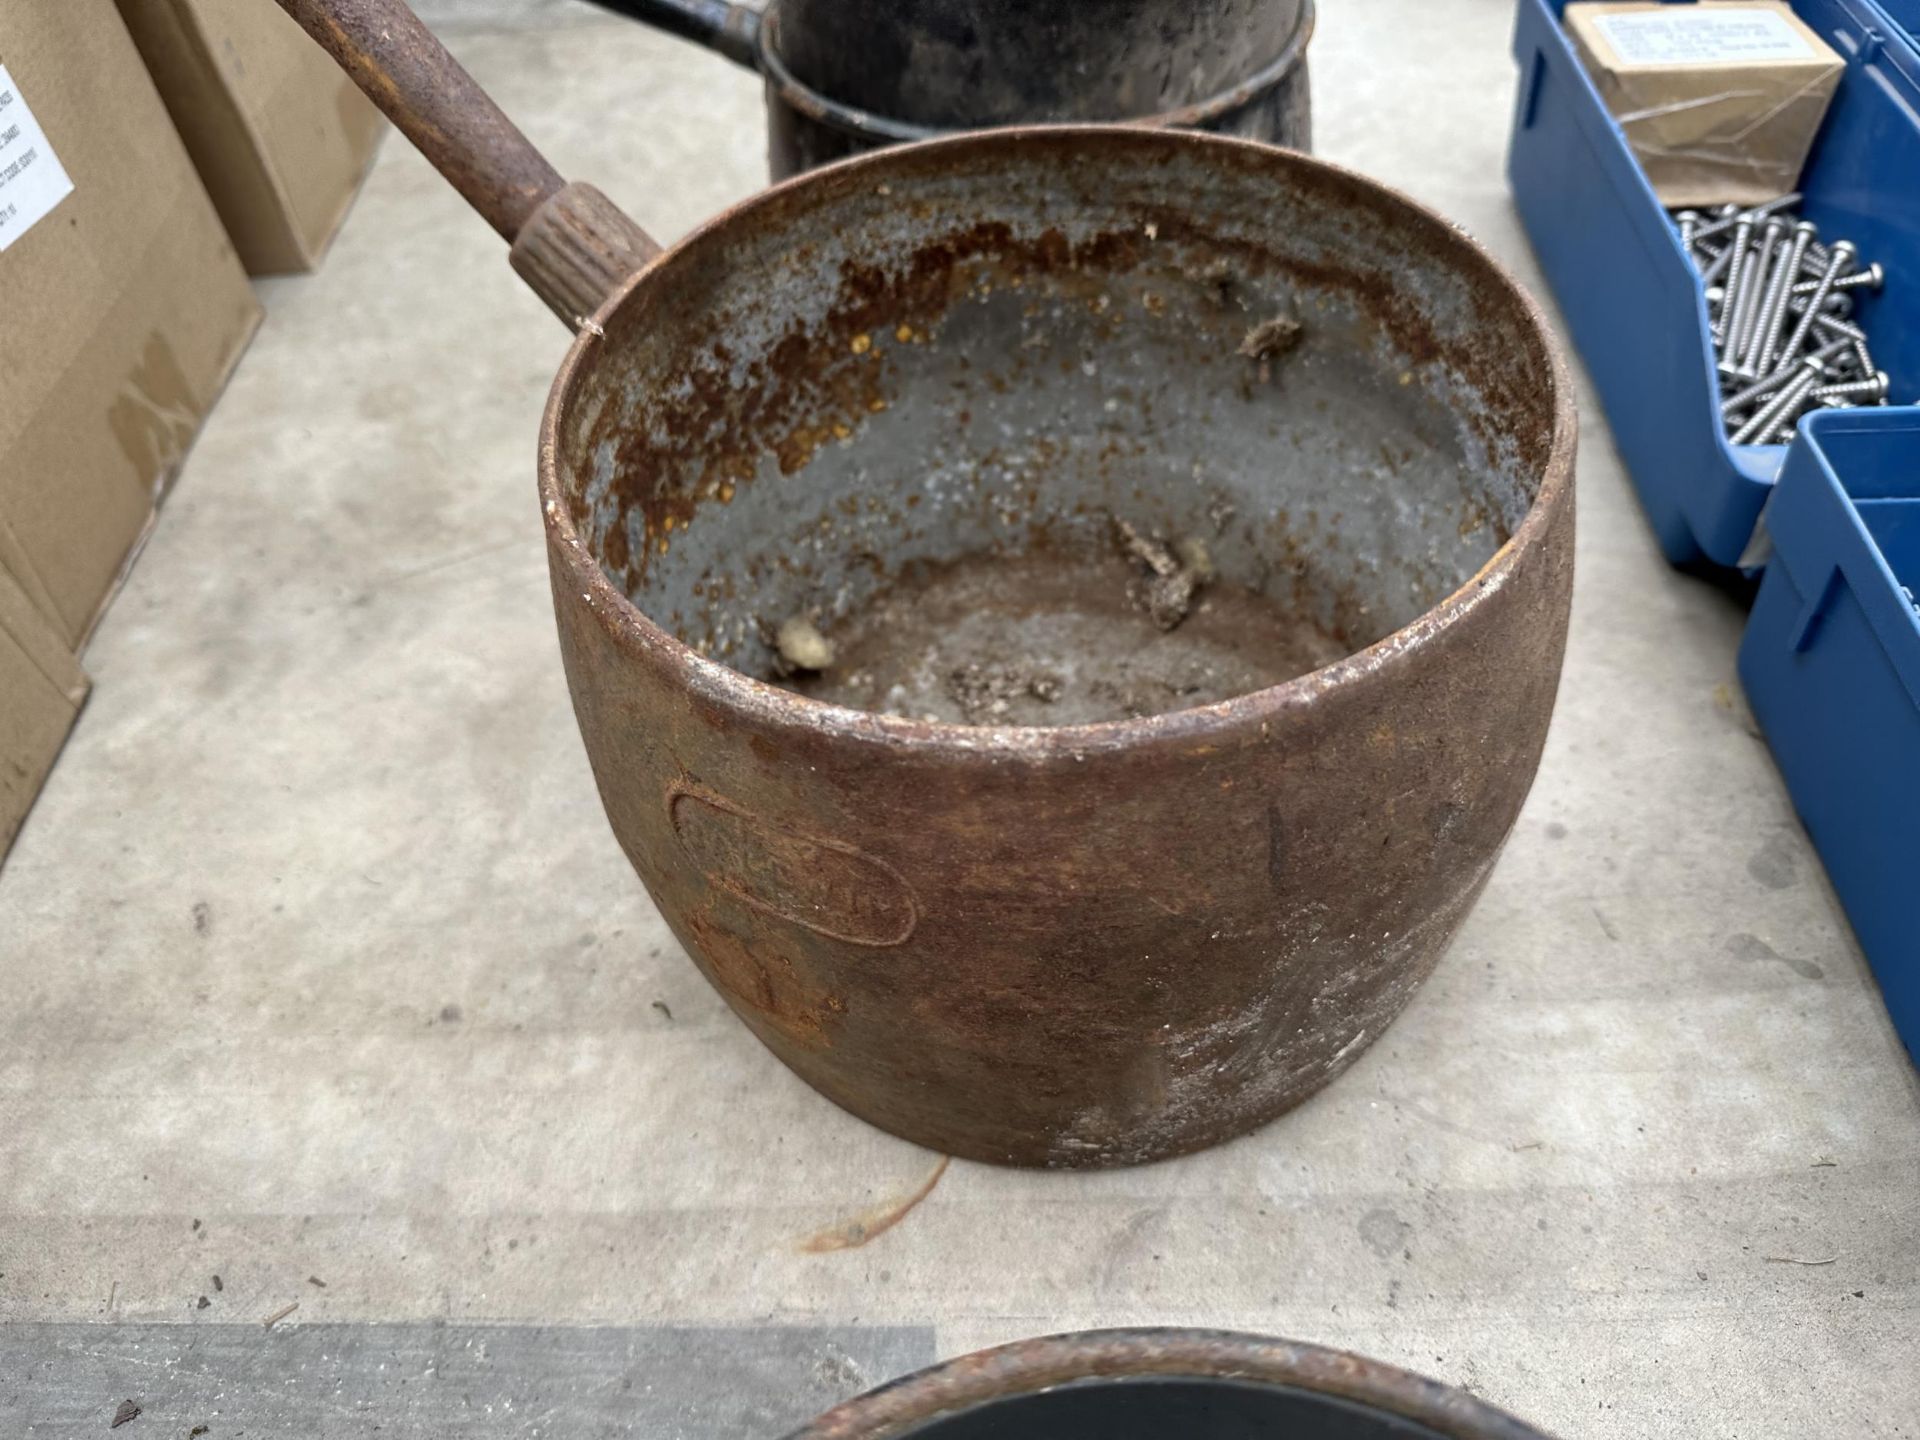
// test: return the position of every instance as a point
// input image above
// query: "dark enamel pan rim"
(1028, 1366)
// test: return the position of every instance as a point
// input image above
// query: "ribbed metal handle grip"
(577, 249)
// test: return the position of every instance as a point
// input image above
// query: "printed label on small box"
(1717, 34)
(32, 179)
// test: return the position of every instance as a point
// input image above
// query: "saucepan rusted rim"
(761, 701)
(1032, 1365)
(802, 98)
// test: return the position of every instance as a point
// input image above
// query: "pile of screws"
(1782, 305)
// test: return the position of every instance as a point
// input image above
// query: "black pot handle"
(732, 30)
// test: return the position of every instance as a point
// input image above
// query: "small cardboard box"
(122, 310)
(281, 137)
(1720, 98)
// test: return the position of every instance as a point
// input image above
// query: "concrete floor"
(320, 960)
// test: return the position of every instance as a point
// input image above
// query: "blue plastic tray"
(1831, 666)
(1632, 299)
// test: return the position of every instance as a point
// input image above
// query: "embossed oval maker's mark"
(827, 886)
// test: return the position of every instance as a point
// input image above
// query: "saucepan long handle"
(731, 29)
(571, 244)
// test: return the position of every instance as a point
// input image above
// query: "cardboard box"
(41, 690)
(122, 310)
(1721, 99)
(281, 137)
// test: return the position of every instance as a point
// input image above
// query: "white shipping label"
(32, 179)
(1703, 34)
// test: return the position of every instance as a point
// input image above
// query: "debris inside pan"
(1172, 574)
(801, 646)
(986, 693)
(1059, 637)
(1272, 339)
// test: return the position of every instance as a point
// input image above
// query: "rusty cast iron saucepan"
(908, 403)
(1153, 1384)
(845, 76)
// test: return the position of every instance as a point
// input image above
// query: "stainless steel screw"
(1838, 260)
(1740, 342)
(1786, 401)
(1874, 387)
(1774, 292)
(1753, 288)
(1833, 325)
(1723, 220)
(1736, 279)
(1871, 278)
(1771, 383)
(1689, 221)
(1775, 314)
(1854, 337)
(1783, 428)
(1731, 216)
(1831, 351)
(1837, 302)
(1765, 385)
(1718, 265)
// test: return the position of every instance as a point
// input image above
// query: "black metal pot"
(850, 75)
(1156, 1384)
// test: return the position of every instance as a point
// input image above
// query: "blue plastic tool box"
(1831, 666)
(1632, 299)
